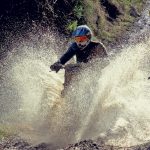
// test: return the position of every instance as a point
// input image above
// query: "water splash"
(111, 103)
(28, 90)
(120, 105)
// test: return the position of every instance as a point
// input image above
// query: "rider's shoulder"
(95, 42)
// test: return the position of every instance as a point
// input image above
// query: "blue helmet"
(82, 30)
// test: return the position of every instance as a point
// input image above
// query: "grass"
(3, 132)
(97, 18)
(6, 131)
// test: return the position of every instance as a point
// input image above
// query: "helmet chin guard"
(82, 45)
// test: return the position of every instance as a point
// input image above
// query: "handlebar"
(69, 66)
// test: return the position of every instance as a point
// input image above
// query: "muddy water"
(111, 102)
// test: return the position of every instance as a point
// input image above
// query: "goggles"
(81, 39)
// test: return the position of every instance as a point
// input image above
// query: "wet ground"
(15, 143)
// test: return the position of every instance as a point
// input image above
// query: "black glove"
(56, 66)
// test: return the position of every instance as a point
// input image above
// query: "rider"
(83, 47)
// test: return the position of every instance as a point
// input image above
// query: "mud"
(15, 143)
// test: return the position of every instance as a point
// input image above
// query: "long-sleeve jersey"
(93, 50)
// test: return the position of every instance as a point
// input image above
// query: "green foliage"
(78, 10)
(78, 14)
(72, 25)
(2, 133)
(6, 131)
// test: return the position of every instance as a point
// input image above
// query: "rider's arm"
(68, 55)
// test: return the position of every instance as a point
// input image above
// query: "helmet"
(82, 35)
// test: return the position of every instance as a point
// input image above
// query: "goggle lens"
(81, 38)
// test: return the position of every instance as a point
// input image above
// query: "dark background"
(44, 12)
(19, 17)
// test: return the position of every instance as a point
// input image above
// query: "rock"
(16, 143)
(133, 12)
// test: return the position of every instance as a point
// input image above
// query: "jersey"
(91, 51)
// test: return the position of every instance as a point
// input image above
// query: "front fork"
(71, 72)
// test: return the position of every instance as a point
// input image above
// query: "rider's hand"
(56, 66)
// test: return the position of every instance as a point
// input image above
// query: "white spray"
(111, 103)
